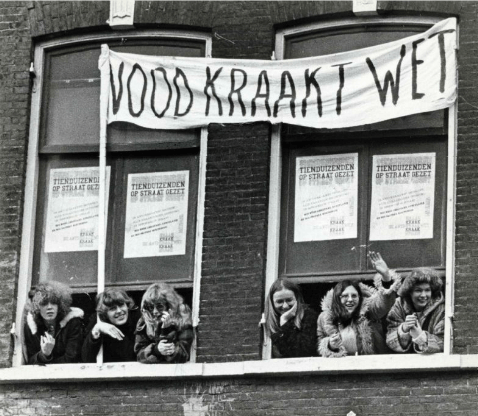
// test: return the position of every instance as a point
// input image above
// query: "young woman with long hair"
(350, 322)
(416, 322)
(115, 328)
(53, 330)
(164, 333)
(290, 323)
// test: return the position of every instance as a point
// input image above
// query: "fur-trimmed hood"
(367, 292)
(376, 302)
(74, 313)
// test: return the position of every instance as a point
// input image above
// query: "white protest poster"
(156, 214)
(403, 193)
(326, 197)
(73, 208)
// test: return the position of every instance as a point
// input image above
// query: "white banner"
(413, 75)
(403, 195)
(72, 212)
(156, 214)
(326, 197)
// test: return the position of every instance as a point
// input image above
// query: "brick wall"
(15, 60)
(235, 231)
(427, 394)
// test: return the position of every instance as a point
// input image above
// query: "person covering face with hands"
(290, 323)
(53, 329)
(417, 319)
(164, 333)
(350, 322)
(113, 326)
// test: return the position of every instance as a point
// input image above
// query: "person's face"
(350, 299)
(283, 300)
(49, 311)
(421, 295)
(118, 315)
(156, 310)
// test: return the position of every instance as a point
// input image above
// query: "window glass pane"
(67, 218)
(348, 256)
(142, 270)
(72, 89)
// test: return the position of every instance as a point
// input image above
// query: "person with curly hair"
(291, 324)
(164, 333)
(352, 313)
(417, 319)
(53, 329)
(115, 328)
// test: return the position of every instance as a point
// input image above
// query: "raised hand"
(379, 265)
(166, 320)
(47, 343)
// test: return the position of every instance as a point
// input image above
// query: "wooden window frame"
(275, 171)
(33, 164)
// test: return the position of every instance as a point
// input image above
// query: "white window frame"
(32, 171)
(272, 266)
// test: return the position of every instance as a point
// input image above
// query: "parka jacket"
(367, 325)
(146, 347)
(68, 339)
(291, 341)
(432, 322)
(114, 350)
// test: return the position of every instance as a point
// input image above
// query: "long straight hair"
(272, 324)
(339, 312)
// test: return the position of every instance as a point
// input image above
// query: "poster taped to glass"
(73, 207)
(326, 189)
(156, 214)
(403, 192)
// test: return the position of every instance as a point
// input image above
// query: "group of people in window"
(401, 314)
(159, 332)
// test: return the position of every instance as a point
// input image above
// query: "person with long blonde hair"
(291, 324)
(164, 333)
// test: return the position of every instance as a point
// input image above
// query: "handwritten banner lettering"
(412, 75)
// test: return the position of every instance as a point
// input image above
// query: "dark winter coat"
(146, 348)
(432, 322)
(369, 334)
(68, 339)
(291, 341)
(114, 350)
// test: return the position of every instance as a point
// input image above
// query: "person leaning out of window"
(291, 324)
(352, 312)
(164, 333)
(416, 320)
(115, 329)
(53, 330)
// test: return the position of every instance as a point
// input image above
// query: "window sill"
(296, 366)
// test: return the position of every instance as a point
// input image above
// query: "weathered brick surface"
(235, 232)
(372, 395)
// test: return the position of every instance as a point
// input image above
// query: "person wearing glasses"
(352, 312)
(164, 333)
(115, 328)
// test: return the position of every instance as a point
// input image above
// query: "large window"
(155, 180)
(383, 187)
